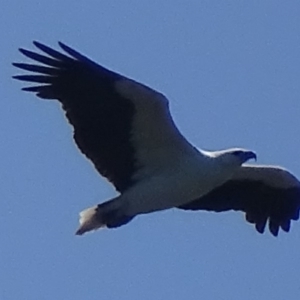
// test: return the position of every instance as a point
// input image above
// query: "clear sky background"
(231, 70)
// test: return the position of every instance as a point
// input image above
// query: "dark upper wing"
(79, 84)
(121, 125)
(260, 201)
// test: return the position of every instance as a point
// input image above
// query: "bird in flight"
(125, 128)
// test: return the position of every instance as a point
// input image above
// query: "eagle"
(125, 128)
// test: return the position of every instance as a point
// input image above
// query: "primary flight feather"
(126, 130)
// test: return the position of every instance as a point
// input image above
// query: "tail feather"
(108, 214)
(88, 220)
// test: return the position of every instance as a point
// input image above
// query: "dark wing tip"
(35, 89)
(274, 227)
(80, 57)
(17, 77)
(68, 49)
(52, 53)
(18, 65)
(53, 61)
(295, 216)
(25, 52)
(286, 225)
(260, 225)
(38, 44)
(73, 53)
(62, 45)
(43, 47)
(34, 78)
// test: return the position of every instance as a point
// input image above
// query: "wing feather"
(123, 127)
(266, 194)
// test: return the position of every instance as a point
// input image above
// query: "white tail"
(89, 220)
(109, 214)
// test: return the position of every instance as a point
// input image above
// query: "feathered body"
(125, 128)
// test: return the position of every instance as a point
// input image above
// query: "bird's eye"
(238, 153)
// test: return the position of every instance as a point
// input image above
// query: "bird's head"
(234, 157)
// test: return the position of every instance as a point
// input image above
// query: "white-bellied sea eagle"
(126, 130)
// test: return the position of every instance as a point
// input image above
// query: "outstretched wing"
(264, 193)
(124, 127)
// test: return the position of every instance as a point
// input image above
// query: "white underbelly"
(170, 189)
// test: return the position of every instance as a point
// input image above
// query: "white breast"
(186, 179)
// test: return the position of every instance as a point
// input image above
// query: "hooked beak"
(251, 155)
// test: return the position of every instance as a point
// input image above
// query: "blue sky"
(231, 70)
